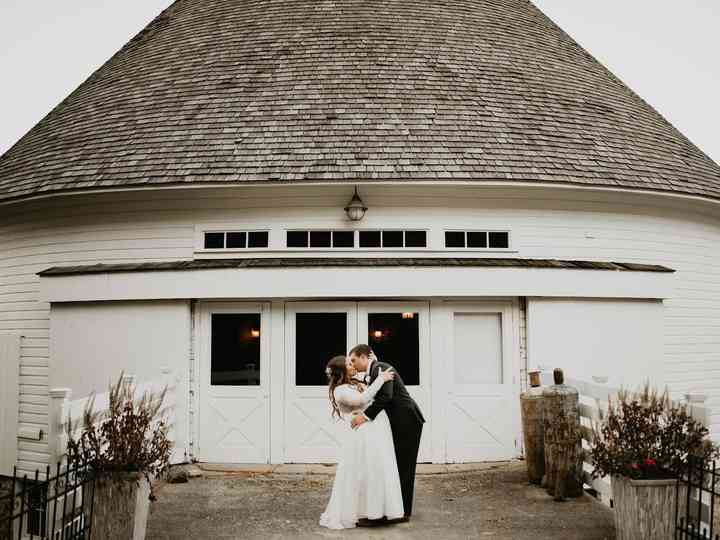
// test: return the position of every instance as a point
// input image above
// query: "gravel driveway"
(493, 502)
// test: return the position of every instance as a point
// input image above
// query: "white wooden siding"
(558, 223)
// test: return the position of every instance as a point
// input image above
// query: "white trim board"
(349, 282)
(9, 398)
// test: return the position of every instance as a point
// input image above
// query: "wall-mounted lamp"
(255, 333)
(356, 208)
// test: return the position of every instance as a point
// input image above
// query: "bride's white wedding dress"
(367, 483)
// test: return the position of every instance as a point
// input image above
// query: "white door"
(399, 333)
(314, 332)
(234, 383)
(482, 412)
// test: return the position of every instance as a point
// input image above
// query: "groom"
(406, 422)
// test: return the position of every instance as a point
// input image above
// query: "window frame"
(356, 239)
(277, 239)
(309, 231)
(200, 233)
(487, 232)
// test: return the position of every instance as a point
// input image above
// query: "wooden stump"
(120, 507)
(533, 433)
(646, 508)
(563, 444)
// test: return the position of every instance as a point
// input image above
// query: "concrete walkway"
(451, 502)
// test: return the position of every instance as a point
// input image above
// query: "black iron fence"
(695, 496)
(56, 505)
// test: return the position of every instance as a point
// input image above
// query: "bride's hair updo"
(337, 374)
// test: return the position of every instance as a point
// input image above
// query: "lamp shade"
(356, 208)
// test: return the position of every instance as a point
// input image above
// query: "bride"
(367, 484)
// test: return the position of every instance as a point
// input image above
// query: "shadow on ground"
(493, 503)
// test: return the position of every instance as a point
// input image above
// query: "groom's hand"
(358, 420)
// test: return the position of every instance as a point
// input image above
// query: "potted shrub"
(125, 448)
(643, 443)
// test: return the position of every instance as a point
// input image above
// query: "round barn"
(248, 188)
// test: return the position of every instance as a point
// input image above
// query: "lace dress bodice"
(349, 399)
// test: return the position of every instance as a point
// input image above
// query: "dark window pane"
(392, 239)
(297, 239)
(214, 240)
(320, 239)
(235, 349)
(415, 239)
(369, 239)
(454, 239)
(318, 337)
(477, 240)
(236, 240)
(499, 239)
(343, 239)
(395, 339)
(258, 239)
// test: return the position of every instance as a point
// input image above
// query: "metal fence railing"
(53, 505)
(695, 516)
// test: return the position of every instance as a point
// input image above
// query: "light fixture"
(255, 333)
(408, 315)
(377, 334)
(356, 208)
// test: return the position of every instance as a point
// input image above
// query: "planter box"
(646, 508)
(120, 507)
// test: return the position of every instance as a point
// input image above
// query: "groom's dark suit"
(406, 422)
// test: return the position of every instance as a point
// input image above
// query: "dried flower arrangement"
(131, 437)
(646, 436)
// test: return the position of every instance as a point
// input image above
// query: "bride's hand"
(388, 375)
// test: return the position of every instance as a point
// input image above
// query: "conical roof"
(232, 91)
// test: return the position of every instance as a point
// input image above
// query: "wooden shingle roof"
(233, 91)
(345, 262)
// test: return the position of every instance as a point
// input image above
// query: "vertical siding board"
(9, 398)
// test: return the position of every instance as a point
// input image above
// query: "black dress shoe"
(364, 522)
(403, 519)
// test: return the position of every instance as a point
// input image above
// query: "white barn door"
(234, 403)
(314, 333)
(399, 332)
(482, 414)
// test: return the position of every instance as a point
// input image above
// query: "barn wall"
(587, 337)
(558, 223)
(91, 343)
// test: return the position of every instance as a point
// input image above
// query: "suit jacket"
(393, 398)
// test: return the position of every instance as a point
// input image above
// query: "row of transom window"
(364, 239)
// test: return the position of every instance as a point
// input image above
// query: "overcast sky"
(668, 51)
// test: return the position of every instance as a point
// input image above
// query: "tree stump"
(646, 508)
(563, 442)
(533, 433)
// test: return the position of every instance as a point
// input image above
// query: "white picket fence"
(593, 396)
(63, 409)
